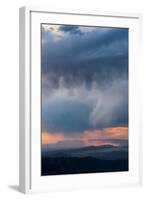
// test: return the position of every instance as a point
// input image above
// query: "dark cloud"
(73, 29)
(100, 54)
(84, 79)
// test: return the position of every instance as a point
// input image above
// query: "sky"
(84, 75)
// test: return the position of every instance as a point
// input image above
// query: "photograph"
(84, 99)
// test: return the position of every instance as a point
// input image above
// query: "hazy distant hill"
(105, 152)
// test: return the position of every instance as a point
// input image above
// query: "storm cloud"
(75, 109)
(101, 53)
(84, 78)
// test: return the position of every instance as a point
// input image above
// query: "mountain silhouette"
(88, 159)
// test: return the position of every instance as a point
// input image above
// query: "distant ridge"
(107, 146)
(99, 147)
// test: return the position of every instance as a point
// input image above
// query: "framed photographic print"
(79, 99)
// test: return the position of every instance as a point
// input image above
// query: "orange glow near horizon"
(51, 138)
(108, 133)
(118, 132)
(96, 137)
(90, 137)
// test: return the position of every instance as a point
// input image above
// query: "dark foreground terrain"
(85, 160)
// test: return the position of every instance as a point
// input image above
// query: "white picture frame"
(30, 179)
